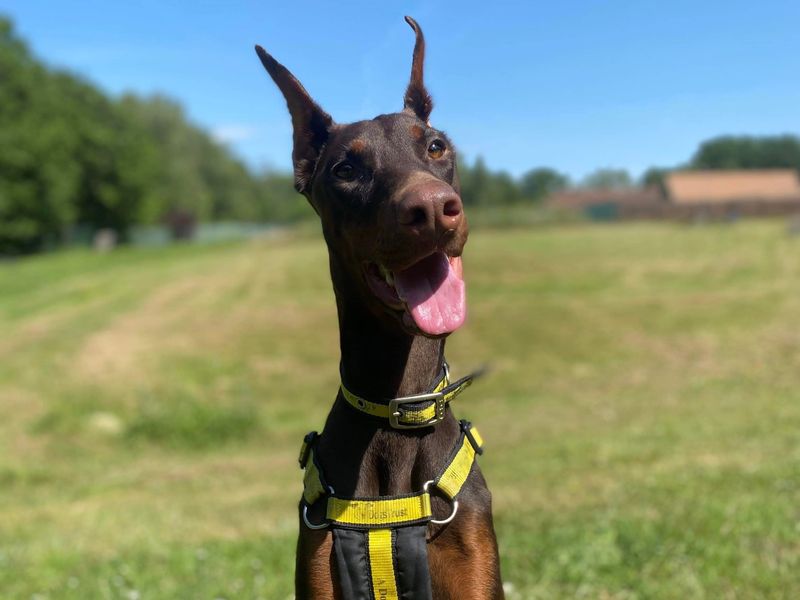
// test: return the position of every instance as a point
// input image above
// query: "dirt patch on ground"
(158, 324)
(215, 310)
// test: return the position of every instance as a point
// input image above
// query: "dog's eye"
(436, 149)
(344, 171)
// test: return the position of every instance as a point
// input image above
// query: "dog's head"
(387, 194)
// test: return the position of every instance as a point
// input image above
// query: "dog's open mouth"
(431, 292)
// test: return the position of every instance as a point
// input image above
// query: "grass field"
(642, 419)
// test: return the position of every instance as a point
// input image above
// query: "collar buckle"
(395, 414)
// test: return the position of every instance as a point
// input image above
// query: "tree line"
(482, 186)
(737, 152)
(71, 157)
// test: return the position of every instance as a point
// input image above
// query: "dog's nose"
(432, 206)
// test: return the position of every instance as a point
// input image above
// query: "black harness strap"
(411, 578)
(352, 562)
(411, 567)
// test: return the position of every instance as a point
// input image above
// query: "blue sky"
(572, 85)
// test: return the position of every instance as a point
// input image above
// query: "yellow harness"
(387, 533)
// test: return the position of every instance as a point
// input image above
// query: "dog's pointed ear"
(311, 124)
(417, 99)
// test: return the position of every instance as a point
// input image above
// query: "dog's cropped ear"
(311, 124)
(417, 99)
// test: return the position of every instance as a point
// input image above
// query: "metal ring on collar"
(452, 514)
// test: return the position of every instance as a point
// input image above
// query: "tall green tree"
(482, 187)
(67, 154)
(608, 179)
(474, 182)
(748, 152)
(34, 201)
(540, 182)
(72, 156)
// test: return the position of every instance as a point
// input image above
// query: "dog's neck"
(378, 360)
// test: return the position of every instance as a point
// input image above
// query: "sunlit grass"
(642, 416)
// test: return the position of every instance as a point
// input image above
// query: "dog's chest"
(389, 466)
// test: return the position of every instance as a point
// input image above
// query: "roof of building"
(702, 187)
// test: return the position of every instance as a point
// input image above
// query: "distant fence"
(711, 211)
(158, 235)
(161, 235)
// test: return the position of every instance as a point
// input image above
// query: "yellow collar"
(413, 412)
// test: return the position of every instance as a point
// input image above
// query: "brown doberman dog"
(387, 193)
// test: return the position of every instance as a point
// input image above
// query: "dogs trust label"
(379, 512)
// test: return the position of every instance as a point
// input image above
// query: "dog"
(378, 517)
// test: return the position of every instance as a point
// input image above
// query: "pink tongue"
(433, 289)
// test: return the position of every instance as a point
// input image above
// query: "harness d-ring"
(452, 514)
(308, 523)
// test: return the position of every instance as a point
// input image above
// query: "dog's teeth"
(387, 275)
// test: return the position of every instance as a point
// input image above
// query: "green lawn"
(642, 420)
